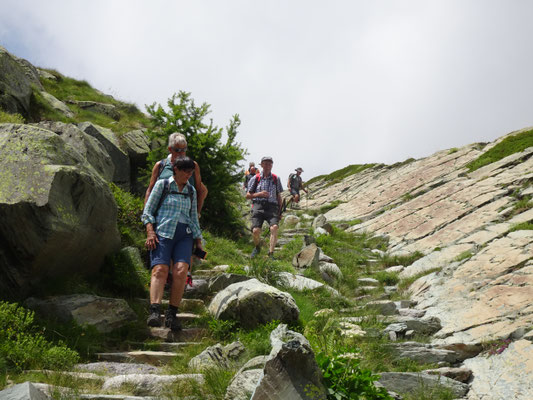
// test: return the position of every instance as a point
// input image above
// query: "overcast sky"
(316, 84)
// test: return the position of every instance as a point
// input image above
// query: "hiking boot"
(154, 319)
(172, 321)
(255, 251)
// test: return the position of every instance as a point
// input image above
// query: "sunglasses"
(178, 150)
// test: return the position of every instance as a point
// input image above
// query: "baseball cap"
(267, 158)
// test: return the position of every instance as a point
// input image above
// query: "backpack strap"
(164, 194)
(162, 165)
(274, 181)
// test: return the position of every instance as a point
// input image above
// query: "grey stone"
(291, 220)
(102, 108)
(57, 105)
(425, 353)
(458, 374)
(105, 314)
(330, 272)
(368, 282)
(298, 282)
(217, 356)
(15, 86)
(118, 368)
(243, 384)
(252, 303)
(383, 307)
(149, 384)
(64, 213)
(23, 391)
(321, 231)
(222, 281)
(89, 147)
(291, 372)
(111, 143)
(409, 382)
(307, 258)
(319, 221)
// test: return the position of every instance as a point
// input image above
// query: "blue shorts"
(178, 249)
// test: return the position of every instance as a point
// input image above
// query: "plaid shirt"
(265, 184)
(175, 208)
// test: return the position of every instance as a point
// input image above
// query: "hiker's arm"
(201, 189)
(153, 180)
(151, 237)
(280, 204)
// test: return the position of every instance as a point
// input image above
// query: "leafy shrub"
(344, 379)
(218, 159)
(11, 118)
(23, 346)
(222, 330)
(387, 278)
(130, 209)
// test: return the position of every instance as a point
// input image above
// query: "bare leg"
(256, 233)
(157, 283)
(273, 237)
(179, 279)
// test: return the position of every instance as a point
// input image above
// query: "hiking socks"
(173, 309)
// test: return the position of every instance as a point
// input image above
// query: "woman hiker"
(171, 219)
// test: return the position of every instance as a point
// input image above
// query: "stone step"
(66, 392)
(142, 356)
(185, 335)
(205, 273)
(186, 305)
(184, 317)
(162, 346)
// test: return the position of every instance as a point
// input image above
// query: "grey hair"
(176, 138)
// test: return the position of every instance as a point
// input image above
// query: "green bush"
(344, 379)
(130, 209)
(23, 346)
(218, 159)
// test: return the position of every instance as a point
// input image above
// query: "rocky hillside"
(474, 228)
(454, 228)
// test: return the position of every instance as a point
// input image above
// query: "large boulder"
(57, 215)
(105, 314)
(119, 157)
(253, 303)
(137, 146)
(16, 82)
(23, 391)
(291, 373)
(89, 147)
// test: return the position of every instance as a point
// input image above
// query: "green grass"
(510, 145)
(341, 174)
(463, 256)
(524, 226)
(7, 118)
(65, 89)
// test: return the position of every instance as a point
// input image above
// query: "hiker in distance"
(177, 147)
(294, 185)
(171, 219)
(250, 173)
(265, 192)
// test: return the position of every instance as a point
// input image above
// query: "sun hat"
(299, 169)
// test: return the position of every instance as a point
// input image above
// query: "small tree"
(218, 160)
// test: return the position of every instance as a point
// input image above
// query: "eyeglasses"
(178, 150)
